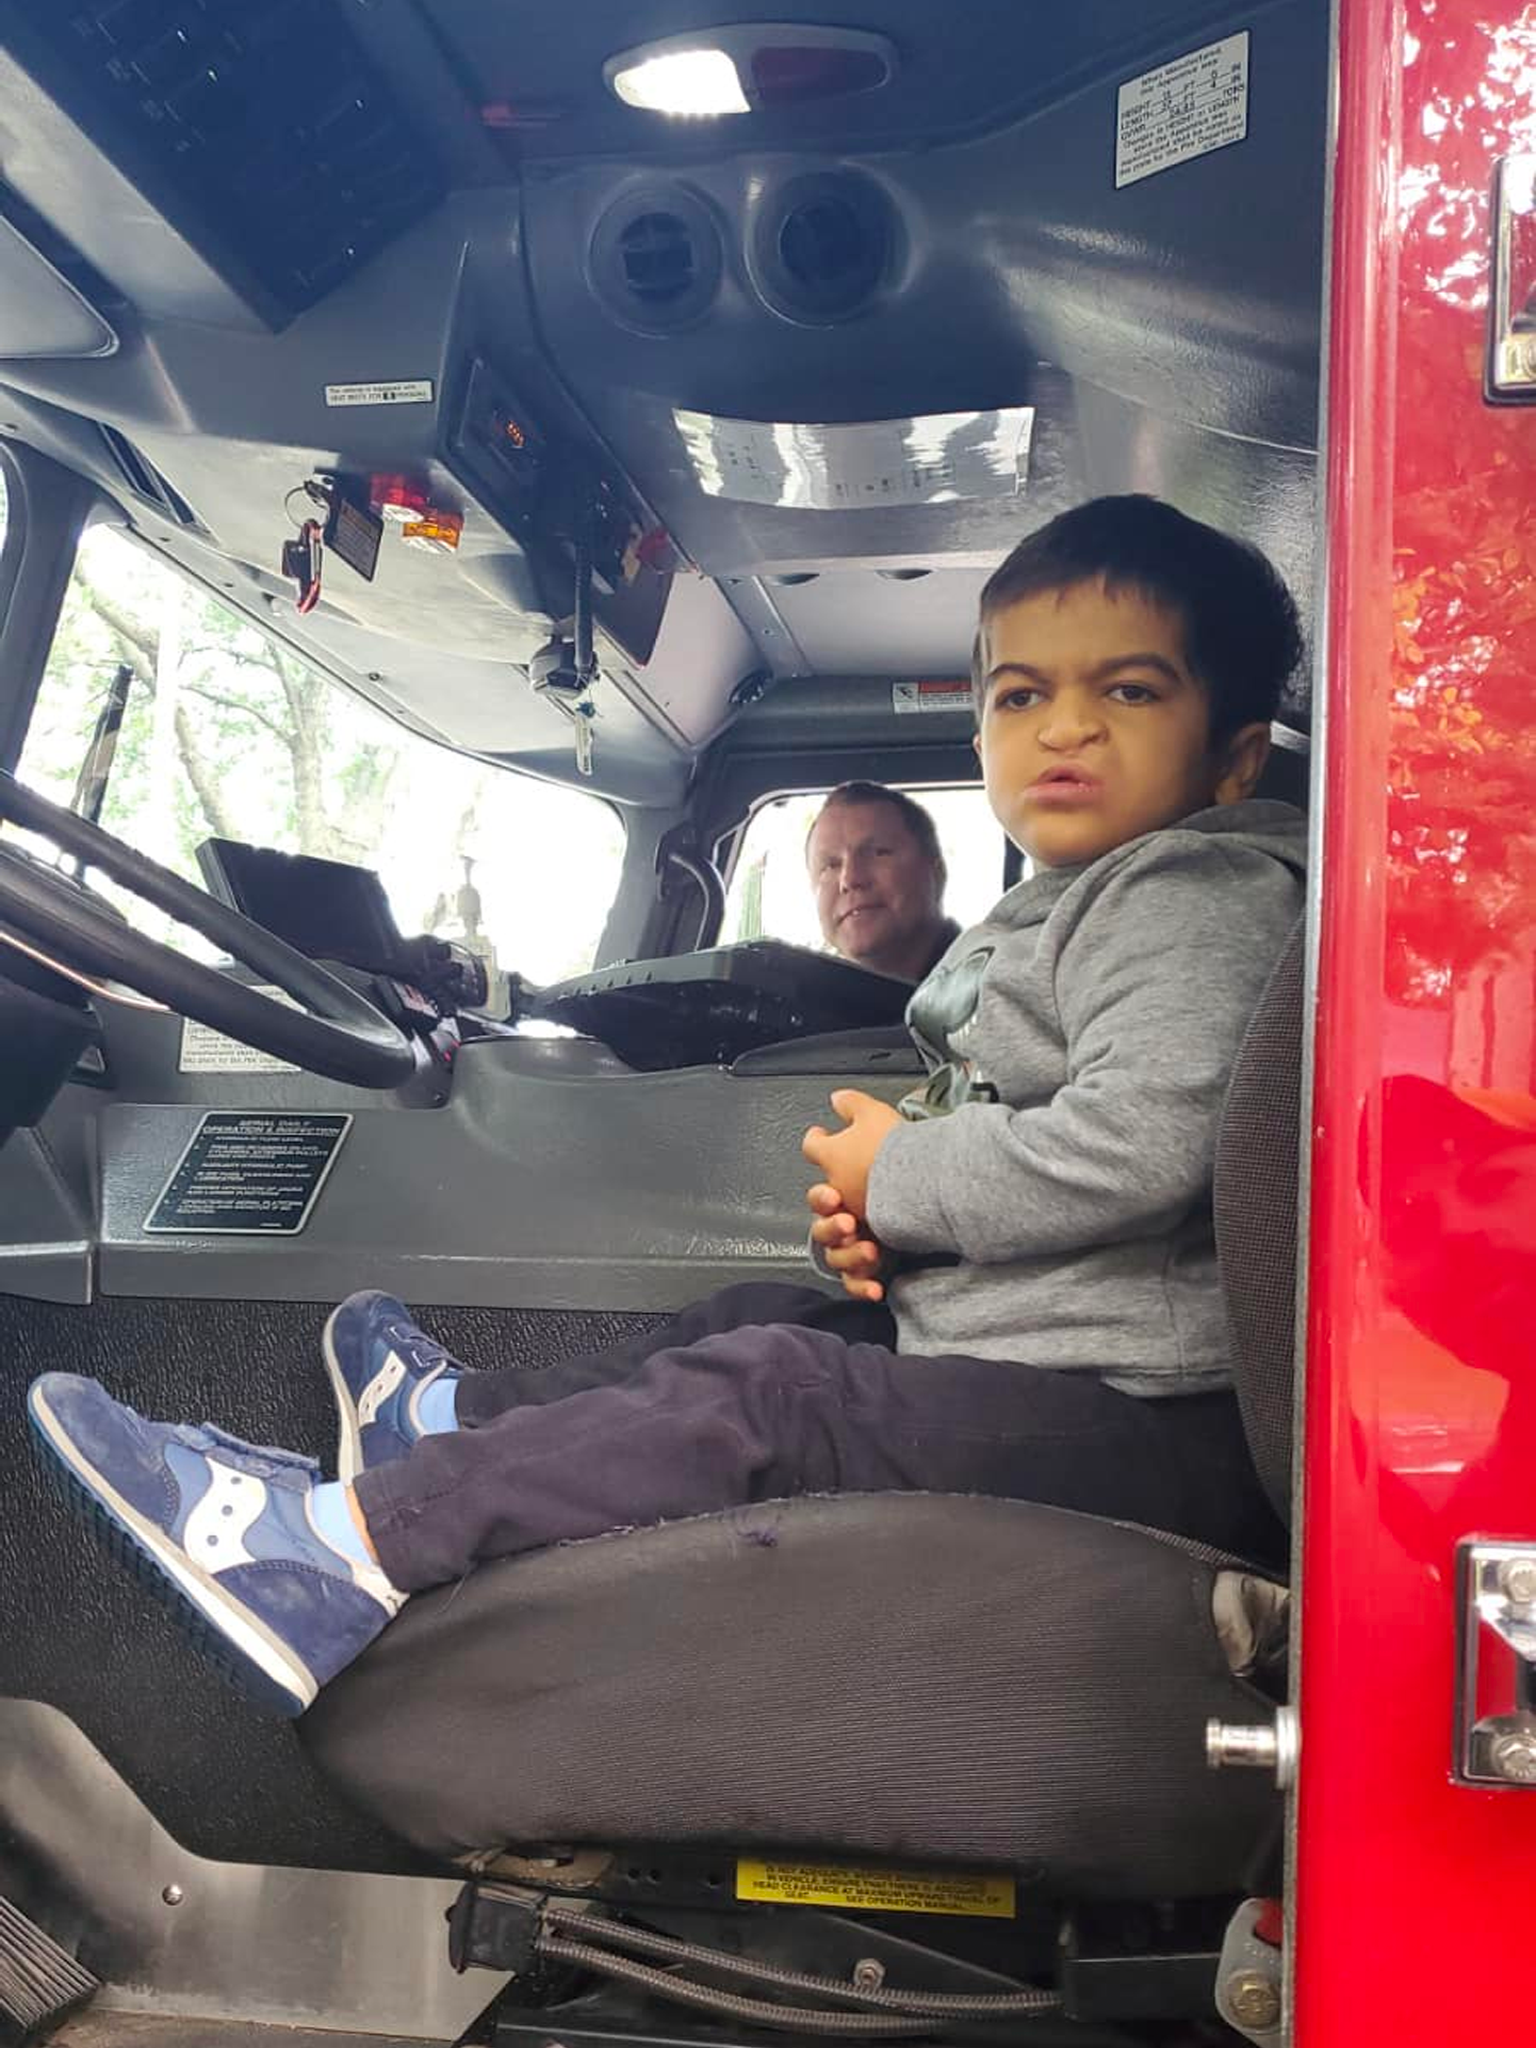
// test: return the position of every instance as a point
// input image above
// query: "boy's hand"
(859, 1262)
(845, 1157)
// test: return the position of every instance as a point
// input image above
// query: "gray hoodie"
(1051, 1189)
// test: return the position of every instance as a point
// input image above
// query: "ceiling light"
(686, 82)
(750, 67)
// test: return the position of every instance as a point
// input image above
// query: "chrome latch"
(1495, 1736)
(1267, 1746)
(1509, 376)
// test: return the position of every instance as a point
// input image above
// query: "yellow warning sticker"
(875, 1891)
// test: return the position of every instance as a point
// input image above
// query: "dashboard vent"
(661, 265)
(822, 246)
(655, 258)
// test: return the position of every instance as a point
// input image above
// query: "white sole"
(349, 1440)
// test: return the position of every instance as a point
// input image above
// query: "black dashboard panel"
(262, 131)
(707, 1009)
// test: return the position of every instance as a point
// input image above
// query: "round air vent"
(655, 258)
(822, 246)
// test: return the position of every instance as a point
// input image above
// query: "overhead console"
(557, 500)
(265, 134)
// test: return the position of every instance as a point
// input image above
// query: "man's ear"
(1243, 761)
(976, 744)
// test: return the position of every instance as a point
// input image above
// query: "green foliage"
(229, 734)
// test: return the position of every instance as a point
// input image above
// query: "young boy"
(1041, 1211)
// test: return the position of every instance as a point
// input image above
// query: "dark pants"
(718, 1408)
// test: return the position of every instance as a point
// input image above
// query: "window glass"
(770, 892)
(4, 503)
(227, 734)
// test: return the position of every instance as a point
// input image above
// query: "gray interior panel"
(45, 1229)
(531, 1188)
(41, 313)
(381, 1967)
(554, 1178)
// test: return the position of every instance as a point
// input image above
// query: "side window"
(226, 733)
(770, 893)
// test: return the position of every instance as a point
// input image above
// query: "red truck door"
(1415, 1872)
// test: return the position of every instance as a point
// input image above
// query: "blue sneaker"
(222, 1532)
(380, 1363)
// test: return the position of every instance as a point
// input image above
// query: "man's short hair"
(1242, 637)
(917, 821)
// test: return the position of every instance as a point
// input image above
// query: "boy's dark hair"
(1242, 637)
(917, 821)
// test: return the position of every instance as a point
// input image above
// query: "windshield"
(227, 734)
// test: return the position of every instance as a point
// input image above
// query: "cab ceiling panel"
(927, 249)
(261, 130)
(537, 68)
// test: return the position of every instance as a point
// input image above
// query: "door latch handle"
(1495, 1739)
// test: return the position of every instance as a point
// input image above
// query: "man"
(875, 865)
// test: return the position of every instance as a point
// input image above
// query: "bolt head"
(173, 1895)
(1513, 1756)
(1517, 1580)
(1252, 1999)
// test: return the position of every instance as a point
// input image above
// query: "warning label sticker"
(404, 391)
(1182, 110)
(206, 1051)
(875, 1891)
(907, 698)
(250, 1175)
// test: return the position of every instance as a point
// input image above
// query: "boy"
(1055, 1329)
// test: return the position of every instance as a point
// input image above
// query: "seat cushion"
(920, 1677)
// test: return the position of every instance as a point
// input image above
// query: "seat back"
(1257, 1193)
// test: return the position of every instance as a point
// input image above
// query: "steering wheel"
(336, 1033)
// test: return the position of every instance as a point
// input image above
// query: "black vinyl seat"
(930, 1678)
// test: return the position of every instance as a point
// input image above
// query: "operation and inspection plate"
(249, 1174)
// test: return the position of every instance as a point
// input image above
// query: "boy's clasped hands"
(839, 1201)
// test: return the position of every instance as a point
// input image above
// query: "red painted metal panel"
(1413, 1893)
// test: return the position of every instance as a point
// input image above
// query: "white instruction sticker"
(407, 391)
(206, 1051)
(930, 460)
(1182, 110)
(923, 697)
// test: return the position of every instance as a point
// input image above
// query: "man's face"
(1095, 730)
(878, 895)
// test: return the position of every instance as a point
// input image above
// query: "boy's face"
(1095, 730)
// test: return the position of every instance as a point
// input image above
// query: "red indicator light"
(396, 498)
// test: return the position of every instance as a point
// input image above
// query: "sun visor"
(41, 314)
